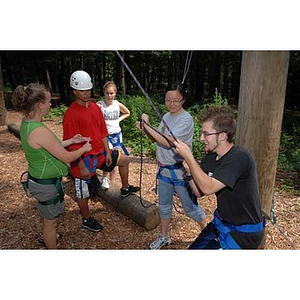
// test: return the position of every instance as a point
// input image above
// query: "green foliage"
(217, 100)
(131, 135)
(57, 112)
(289, 153)
(289, 159)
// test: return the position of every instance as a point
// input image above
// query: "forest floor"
(20, 224)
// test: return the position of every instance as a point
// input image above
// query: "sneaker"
(40, 238)
(160, 242)
(129, 190)
(92, 224)
(105, 183)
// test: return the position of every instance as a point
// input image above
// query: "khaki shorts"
(46, 192)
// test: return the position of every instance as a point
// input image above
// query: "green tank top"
(41, 163)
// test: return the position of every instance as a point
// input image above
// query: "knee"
(123, 160)
(197, 215)
(165, 211)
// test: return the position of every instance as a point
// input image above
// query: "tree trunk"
(3, 111)
(260, 112)
(122, 75)
(49, 81)
(145, 215)
(199, 76)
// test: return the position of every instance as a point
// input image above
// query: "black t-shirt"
(239, 202)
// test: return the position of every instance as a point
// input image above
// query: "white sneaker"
(160, 242)
(105, 183)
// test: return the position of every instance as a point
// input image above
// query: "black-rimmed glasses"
(173, 101)
(205, 134)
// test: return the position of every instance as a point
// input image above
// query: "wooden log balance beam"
(15, 129)
(145, 215)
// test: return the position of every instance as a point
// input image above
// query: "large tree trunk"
(260, 111)
(3, 111)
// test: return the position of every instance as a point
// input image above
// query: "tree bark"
(3, 111)
(260, 112)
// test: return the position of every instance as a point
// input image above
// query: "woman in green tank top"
(46, 155)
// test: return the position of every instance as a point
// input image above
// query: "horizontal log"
(14, 129)
(145, 213)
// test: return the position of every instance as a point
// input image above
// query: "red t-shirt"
(89, 122)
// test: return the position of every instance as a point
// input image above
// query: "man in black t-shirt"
(228, 171)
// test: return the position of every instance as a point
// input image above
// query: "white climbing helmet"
(81, 80)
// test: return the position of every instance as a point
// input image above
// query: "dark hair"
(25, 98)
(222, 119)
(176, 86)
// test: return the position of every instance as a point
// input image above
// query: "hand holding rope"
(140, 126)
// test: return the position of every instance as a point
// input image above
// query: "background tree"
(3, 112)
(260, 112)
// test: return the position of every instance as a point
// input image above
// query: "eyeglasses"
(173, 101)
(205, 134)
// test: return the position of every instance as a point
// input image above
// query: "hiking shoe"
(160, 242)
(92, 225)
(129, 190)
(105, 183)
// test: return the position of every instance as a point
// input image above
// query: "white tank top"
(111, 115)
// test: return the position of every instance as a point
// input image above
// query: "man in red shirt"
(85, 117)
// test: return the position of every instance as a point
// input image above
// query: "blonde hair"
(108, 84)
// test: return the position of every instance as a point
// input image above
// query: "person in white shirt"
(114, 112)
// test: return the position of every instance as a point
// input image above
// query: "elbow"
(66, 160)
(207, 191)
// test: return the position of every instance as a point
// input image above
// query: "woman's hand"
(145, 118)
(78, 138)
(87, 146)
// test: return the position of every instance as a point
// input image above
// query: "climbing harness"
(173, 180)
(114, 139)
(25, 176)
(187, 65)
(87, 162)
(224, 229)
(24, 181)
